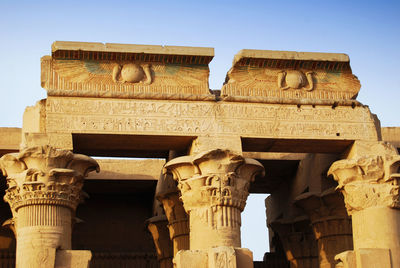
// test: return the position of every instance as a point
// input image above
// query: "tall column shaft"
(44, 189)
(179, 232)
(220, 224)
(178, 220)
(45, 224)
(214, 187)
(370, 185)
(157, 226)
(386, 225)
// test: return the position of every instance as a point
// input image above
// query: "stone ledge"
(131, 48)
(290, 55)
(10, 140)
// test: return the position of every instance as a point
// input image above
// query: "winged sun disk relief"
(295, 79)
(132, 73)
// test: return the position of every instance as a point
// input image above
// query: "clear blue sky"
(368, 31)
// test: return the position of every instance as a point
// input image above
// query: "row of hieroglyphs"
(203, 126)
(184, 118)
(182, 109)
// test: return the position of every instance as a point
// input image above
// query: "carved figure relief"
(132, 73)
(296, 80)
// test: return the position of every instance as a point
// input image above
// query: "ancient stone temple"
(132, 161)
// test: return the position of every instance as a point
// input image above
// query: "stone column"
(178, 219)
(44, 189)
(330, 223)
(157, 226)
(214, 187)
(370, 185)
(298, 241)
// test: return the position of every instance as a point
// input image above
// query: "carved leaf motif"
(45, 173)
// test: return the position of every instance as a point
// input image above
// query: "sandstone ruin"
(284, 123)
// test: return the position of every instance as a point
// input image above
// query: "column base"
(73, 259)
(365, 258)
(218, 257)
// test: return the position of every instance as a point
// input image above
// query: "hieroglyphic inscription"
(202, 118)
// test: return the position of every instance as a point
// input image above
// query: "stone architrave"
(44, 189)
(370, 185)
(330, 223)
(214, 187)
(178, 220)
(298, 241)
(157, 226)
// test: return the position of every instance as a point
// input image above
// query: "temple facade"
(132, 161)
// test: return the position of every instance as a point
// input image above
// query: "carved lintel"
(214, 187)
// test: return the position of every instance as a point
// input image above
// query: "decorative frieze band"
(201, 118)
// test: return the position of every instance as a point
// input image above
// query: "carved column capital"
(44, 175)
(368, 181)
(214, 187)
(44, 189)
(214, 178)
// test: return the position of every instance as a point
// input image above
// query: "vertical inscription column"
(44, 189)
(214, 187)
(370, 185)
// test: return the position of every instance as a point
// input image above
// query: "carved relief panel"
(126, 71)
(282, 75)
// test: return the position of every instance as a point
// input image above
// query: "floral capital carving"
(214, 178)
(368, 181)
(45, 175)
